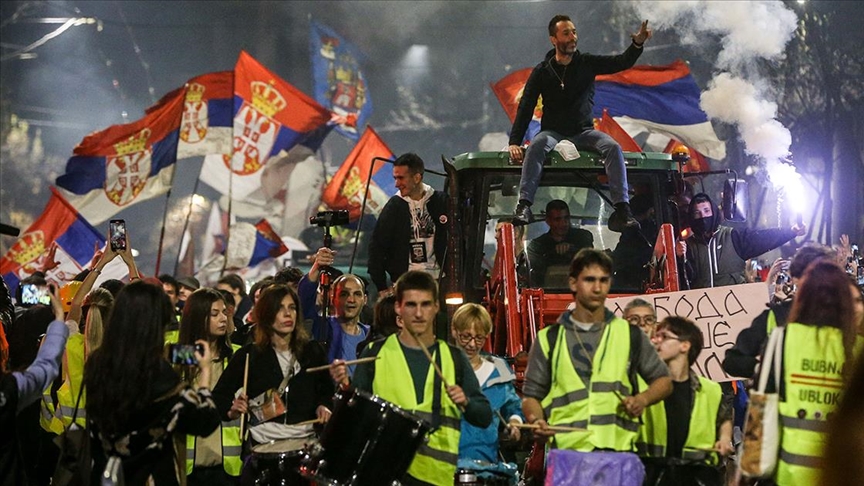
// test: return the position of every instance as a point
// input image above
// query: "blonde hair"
(472, 314)
(101, 302)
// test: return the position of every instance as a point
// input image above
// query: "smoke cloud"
(748, 31)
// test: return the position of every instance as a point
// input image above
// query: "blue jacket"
(482, 444)
(327, 331)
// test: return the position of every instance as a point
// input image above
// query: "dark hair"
(170, 280)
(195, 325)
(556, 205)
(227, 296)
(385, 316)
(121, 376)
(235, 282)
(806, 255)
(845, 445)
(587, 257)
(553, 24)
(416, 280)
(824, 299)
(288, 275)
(687, 331)
(412, 161)
(115, 286)
(264, 282)
(266, 311)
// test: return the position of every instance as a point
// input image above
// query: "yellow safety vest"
(570, 403)
(67, 394)
(172, 337)
(232, 445)
(702, 434)
(435, 461)
(813, 361)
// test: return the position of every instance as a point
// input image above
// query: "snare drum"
(276, 463)
(367, 441)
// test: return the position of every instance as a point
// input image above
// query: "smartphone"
(184, 354)
(117, 234)
(32, 294)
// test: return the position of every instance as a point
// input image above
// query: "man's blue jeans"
(594, 140)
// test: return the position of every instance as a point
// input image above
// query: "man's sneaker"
(522, 215)
(621, 219)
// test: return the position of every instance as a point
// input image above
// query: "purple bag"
(594, 468)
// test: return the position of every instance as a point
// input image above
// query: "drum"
(477, 473)
(367, 441)
(276, 463)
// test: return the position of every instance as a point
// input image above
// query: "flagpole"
(164, 221)
(230, 200)
(363, 210)
(186, 222)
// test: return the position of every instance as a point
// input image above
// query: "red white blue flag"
(658, 100)
(124, 164)
(508, 90)
(269, 116)
(249, 245)
(348, 185)
(338, 80)
(60, 240)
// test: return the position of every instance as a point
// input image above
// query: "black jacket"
(305, 390)
(390, 247)
(741, 359)
(568, 111)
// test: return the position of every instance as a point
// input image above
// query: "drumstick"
(308, 422)
(434, 364)
(347, 363)
(555, 428)
(245, 382)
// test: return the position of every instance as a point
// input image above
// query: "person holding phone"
(20, 389)
(135, 401)
(214, 459)
(279, 392)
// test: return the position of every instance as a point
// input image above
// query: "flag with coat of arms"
(338, 80)
(206, 125)
(124, 164)
(60, 242)
(269, 116)
(347, 187)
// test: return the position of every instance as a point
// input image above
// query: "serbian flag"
(610, 127)
(508, 90)
(659, 100)
(207, 112)
(60, 242)
(249, 245)
(269, 116)
(338, 80)
(124, 164)
(697, 162)
(348, 186)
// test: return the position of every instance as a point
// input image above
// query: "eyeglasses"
(665, 336)
(464, 339)
(642, 320)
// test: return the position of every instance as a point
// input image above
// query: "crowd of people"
(181, 383)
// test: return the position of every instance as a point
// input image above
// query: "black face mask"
(700, 226)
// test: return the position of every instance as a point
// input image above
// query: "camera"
(32, 294)
(855, 266)
(330, 218)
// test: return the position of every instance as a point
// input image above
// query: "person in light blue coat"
(478, 447)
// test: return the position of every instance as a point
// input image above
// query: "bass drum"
(367, 441)
(276, 463)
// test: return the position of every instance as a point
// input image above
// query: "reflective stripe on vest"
(702, 431)
(569, 402)
(813, 360)
(232, 446)
(435, 461)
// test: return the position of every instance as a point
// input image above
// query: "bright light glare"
(787, 183)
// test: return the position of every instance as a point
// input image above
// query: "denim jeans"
(594, 140)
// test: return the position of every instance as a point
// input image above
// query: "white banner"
(721, 313)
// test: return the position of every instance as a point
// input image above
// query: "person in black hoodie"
(565, 80)
(716, 254)
(411, 233)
